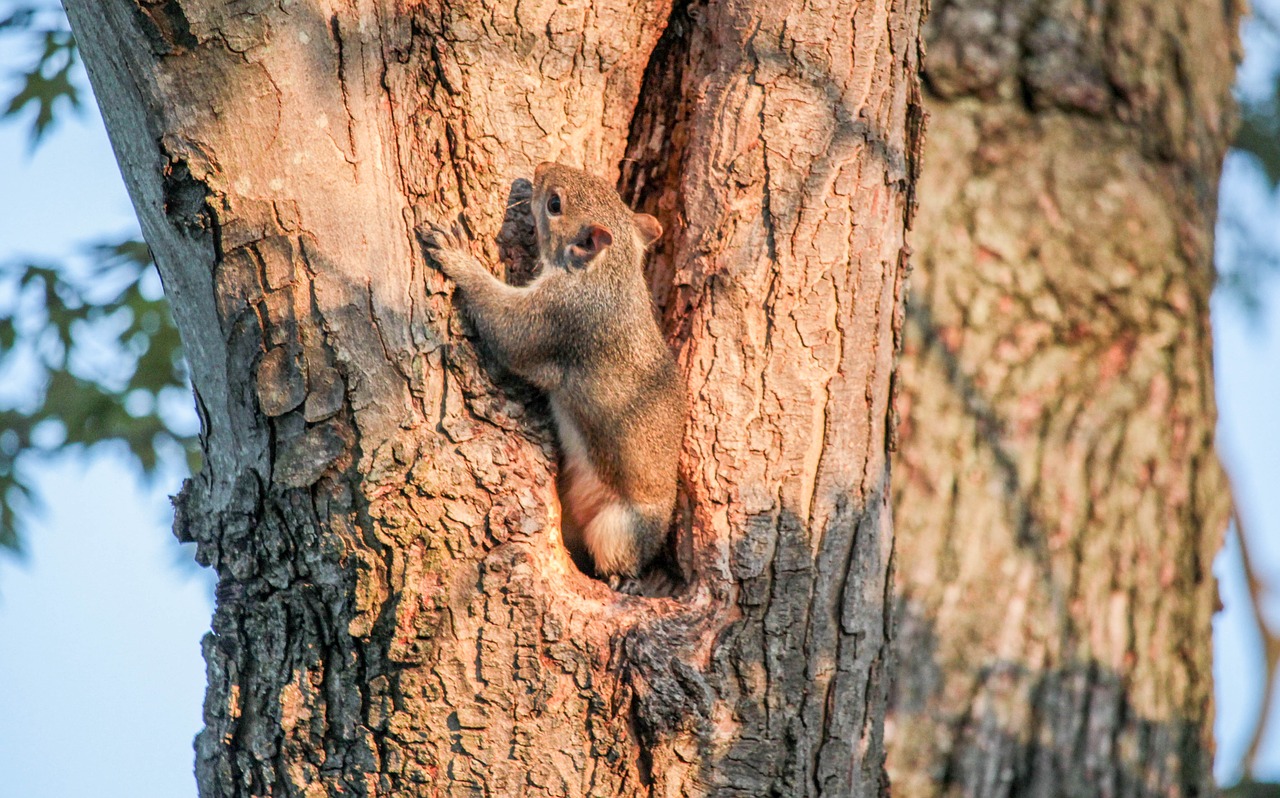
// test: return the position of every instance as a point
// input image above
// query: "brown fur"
(584, 332)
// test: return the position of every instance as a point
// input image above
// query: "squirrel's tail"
(623, 538)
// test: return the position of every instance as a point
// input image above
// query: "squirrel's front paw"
(446, 248)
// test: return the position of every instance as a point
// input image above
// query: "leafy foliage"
(1253, 789)
(1259, 130)
(89, 354)
(99, 348)
(48, 81)
(1259, 134)
(1247, 250)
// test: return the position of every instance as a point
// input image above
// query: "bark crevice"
(396, 614)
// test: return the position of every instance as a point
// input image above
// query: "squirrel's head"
(578, 216)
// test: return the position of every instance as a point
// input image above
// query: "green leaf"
(1259, 136)
(104, 352)
(50, 82)
(21, 18)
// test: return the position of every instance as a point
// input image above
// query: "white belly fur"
(594, 508)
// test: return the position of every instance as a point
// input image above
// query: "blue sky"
(100, 626)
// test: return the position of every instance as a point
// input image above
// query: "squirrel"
(584, 332)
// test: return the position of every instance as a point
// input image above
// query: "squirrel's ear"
(650, 229)
(540, 168)
(591, 243)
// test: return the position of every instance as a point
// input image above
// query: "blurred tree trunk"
(1057, 498)
(395, 613)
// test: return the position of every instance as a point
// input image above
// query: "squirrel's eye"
(553, 205)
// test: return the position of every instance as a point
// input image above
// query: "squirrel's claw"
(436, 236)
(447, 248)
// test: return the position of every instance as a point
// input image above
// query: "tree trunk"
(1057, 497)
(396, 615)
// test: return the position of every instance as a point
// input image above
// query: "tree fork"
(395, 613)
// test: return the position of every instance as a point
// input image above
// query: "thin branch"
(1270, 646)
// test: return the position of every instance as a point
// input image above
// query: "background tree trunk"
(395, 613)
(1057, 497)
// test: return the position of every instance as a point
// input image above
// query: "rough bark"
(1057, 498)
(396, 615)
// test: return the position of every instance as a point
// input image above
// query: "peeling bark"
(396, 615)
(1057, 497)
